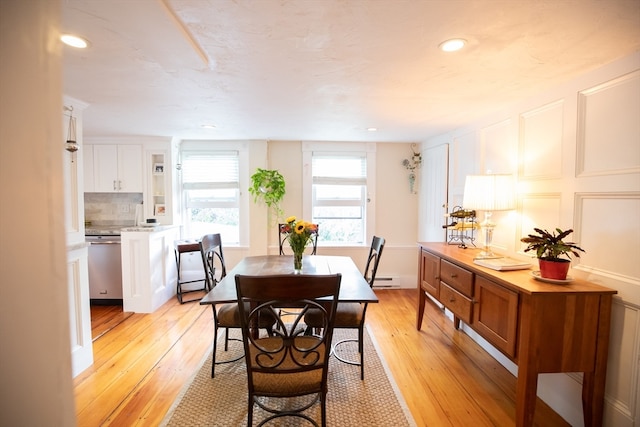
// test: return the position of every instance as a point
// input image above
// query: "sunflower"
(300, 227)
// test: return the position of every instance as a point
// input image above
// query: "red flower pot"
(556, 270)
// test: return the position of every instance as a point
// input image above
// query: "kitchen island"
(148, 267)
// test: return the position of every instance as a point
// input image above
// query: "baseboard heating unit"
(387, 282)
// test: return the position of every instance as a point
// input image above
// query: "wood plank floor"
(142, 362)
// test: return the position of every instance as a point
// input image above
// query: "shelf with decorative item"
(462, 226)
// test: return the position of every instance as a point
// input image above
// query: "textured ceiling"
(327, 69)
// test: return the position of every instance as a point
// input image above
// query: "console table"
(542, 327)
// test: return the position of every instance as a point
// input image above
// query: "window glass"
(339, 192)
(211, 191)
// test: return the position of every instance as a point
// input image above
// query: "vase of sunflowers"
(299, 234)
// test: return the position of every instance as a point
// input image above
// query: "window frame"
(366, 148)
(212, 147)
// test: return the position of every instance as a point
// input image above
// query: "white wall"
(576, 153)
(396, 212)
(35, 372)
(396, 209)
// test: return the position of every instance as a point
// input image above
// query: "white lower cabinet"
(148, 268)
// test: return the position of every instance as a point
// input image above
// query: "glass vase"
(297, 262)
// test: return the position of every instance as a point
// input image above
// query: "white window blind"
(339, 168)
(210, 170)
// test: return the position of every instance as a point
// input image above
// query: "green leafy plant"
(550, 246)
(268, 186)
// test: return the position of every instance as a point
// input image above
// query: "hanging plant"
(268, 187)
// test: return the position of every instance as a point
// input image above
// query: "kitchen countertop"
(147, 228)
(116, 230)
(103, 230)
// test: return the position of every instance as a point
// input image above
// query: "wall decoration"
(411, 165)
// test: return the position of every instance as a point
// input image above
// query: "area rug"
(222, 401)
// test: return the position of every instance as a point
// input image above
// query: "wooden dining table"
(353, 287)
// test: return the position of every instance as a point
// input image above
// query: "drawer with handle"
(459, 304)
(456, 277)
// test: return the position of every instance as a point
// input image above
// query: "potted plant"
(268, 186)
(549, 247)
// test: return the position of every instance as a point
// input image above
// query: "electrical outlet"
(124, 208)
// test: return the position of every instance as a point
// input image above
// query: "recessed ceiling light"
(452, 45)
(372, 129)
(74, 41)
(208, 126)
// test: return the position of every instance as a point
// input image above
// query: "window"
(340, 194)
(211, 191)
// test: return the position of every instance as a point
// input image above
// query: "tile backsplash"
(111, 208)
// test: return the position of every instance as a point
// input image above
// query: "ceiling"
(326, 70)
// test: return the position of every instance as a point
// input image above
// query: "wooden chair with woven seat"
(287, 364)
(351, 315)
(224, 315)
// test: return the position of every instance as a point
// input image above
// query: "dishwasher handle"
(103, 240)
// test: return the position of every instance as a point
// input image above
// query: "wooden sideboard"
(541, 327)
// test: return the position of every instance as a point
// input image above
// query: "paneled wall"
(575, 151)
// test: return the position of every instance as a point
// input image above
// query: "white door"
(433, 196)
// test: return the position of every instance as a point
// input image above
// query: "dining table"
(353, 286)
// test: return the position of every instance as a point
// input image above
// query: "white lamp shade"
(489, 192)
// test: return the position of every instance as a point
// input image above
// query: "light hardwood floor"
(142, 362)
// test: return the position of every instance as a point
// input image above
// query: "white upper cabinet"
(117, 168)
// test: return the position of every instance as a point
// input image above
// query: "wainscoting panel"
(79, 311)
(540, 210)
(541, 142)
(499, 145)
(608, 116)
(606, 227)
(612, 251)
(623, 377)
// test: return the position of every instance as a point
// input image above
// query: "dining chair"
(282, 239)
(288, 363)
(224, 315)
(351, 315)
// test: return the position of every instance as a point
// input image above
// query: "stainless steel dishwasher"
(105, 269)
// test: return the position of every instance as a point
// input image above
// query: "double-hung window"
(211, 192)
(341, 193)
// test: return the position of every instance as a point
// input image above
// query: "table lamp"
(489, 193)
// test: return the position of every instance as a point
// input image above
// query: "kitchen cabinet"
(542, 327)
(116, 168)
(495, 314)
